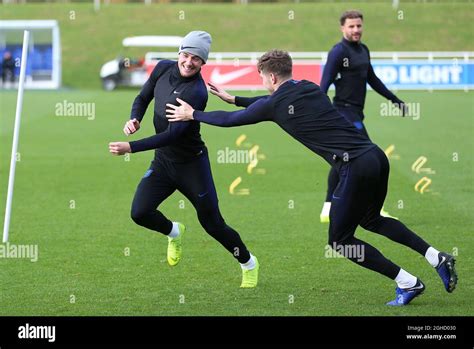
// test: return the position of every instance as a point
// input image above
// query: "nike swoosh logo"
(202, 195)
(416, 288)
(335, 197)
(443, 258)
(185, 47)
(176, 92)
(218, 78)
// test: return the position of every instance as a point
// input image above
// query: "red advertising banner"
(244, 75)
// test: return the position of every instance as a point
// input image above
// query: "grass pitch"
(93, 260)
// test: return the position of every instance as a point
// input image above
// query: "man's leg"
(199, 188)
(155, 187)
(356, 118)
(152, 190)
(350, 202)
(398, 232)
(333, 179)
(352, 198)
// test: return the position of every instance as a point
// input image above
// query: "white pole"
(16, 132)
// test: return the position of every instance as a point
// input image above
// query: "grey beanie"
(197, 43)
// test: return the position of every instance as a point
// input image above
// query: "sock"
(174, 231)
(326, 209)
(432, 257)
(405, 280)
(250, 264)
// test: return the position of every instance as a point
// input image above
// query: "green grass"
(81, 250)
(90, 39)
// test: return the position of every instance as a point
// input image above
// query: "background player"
(348, 67)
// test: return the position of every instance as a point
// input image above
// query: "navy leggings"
(194, 180)
(356, 117)
(357, 200)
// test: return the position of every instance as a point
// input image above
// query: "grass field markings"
(291, 299)
(181, 204)
(455, 157)
(253, 164)
(235, 183)
(417, 166)
(181, 15)
(422, 185)
(250, 157)
(126, 251)
(72, 204)
(72, 299)
(389, 152)
(240, 140)
(181, 299)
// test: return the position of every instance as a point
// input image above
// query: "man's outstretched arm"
(256, 112)
(382, 90)
(226, 97)
(167, 137)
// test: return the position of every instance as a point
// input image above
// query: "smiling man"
(181, 160)
(305, 112)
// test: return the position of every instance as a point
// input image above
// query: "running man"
(348, 67)
(305, 112)
(181, 159)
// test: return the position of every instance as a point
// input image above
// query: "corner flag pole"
(16, 131)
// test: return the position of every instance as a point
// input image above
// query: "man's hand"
(131, 126)
(221, 93)
(119, 148)
(403, 107)
(182, 113)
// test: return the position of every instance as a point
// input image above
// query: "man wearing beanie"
(181, 159)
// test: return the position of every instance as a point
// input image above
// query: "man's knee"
(336, 239)
(211, 220)
(371, 223)
(139, 214)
